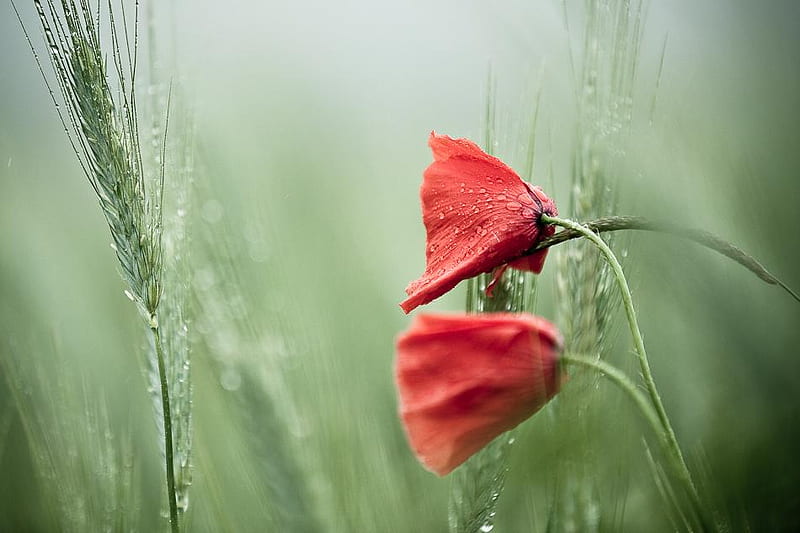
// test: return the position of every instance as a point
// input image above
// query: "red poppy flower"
(478, 215)
(465, 379)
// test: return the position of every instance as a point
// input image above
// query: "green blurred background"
(312, 120)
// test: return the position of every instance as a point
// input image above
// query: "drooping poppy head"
(463, 380)
(478, 215)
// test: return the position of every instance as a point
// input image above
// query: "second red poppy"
(462, 380)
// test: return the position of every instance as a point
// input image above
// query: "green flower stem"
(668, 434)
(162, 374)
(623, 381)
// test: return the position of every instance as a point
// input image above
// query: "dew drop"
(513, 206)
(487, 527)
(482, 190)
(441, 215)
(525, 198)
(501, 197)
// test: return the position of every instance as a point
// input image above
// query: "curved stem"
(627, 301)
(162, 374)
(623, 381)
(703, 238)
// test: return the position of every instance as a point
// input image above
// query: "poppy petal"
(465, 379)
(534, 262)
(496, 275)
(478, 215)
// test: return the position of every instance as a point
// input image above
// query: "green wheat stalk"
(100, 117)
(175, 311)
(175, 152)
(700, 237)
(476, 486)
(604, 70)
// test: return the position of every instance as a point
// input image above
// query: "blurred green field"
(311, 124)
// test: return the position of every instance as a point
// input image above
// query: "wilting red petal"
(478, 215)
(465, 379)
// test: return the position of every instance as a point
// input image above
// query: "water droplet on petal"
(441, 215)
(501, 197)
(513, 206)
(525, 198)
